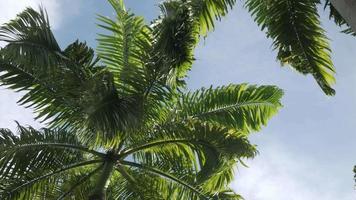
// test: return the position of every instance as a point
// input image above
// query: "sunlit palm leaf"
(126, 50)
(242, 107)
(198, 154)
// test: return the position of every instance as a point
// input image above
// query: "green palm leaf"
(177, 32)
(176, 35)
(209, 11)
(199, 154)
(66, 87)
(241, 107)
(34, 161)
(125, 51)
(30, 40)
(298, 36)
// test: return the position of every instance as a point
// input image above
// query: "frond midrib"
(237, 105)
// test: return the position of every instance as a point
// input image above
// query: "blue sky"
(307, 151)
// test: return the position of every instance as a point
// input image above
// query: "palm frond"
(177, 32)
(200, 154)
(209, 11)
(145, 186)
(126, 49)
(295, 29)
(33, 62)
(242, 107)
(128, 54)
(66, 88)
(34, 160)
(30, 40)
(125, 129)
(176, 35)
(163, 174)
(228, 195)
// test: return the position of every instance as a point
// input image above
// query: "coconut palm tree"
(120, 123)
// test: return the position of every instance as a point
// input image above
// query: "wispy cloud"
(9, 9)
(280, 174)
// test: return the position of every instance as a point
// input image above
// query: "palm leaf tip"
(207, 12)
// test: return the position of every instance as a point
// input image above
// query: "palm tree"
(120, 124)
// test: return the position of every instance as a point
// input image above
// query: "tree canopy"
(120, 123)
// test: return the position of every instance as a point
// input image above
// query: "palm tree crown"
(119, 122)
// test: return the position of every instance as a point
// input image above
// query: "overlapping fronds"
(201, 155)
(65, 87)
(30, 40)
(294, 26)
(120, 124)
(241, 107)
(125, 51)
(32, 62)
(205, 135)
(176, 35)
(177, 32)
(32, 163)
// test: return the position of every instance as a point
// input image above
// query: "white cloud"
(9, 110)
(277, 174)
(9, 9)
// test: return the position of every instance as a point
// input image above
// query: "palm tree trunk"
(99, 192)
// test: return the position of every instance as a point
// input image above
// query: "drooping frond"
(295, 29)
(30, 40)
(66, 87)
(176, 34)
(32, 62)
(200, 154)
(241, 107)
(177, 31)
(209, 11)
(146, 185)
(34, 161)
(204, 136)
